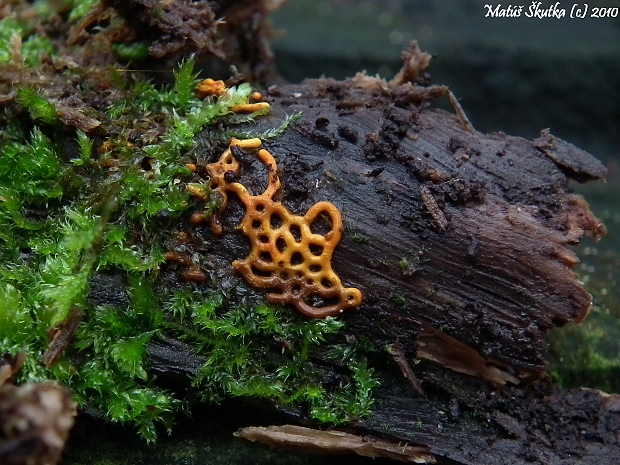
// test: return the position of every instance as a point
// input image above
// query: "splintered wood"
(431, 205)
(335, 442)
(460, 113)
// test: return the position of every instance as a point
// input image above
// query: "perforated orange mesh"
(286, 254)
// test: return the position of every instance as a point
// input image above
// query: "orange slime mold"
(286, 255)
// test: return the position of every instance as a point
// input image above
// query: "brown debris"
(440, 348)
(95, 14)
(224, 34)
(460, 113)
(579, 164)
(8, 98)
(15, 48)
(403, 95)
(580, 219)
(398, 354)
(35, 418)
(180, 26)
(10, 366)
(74, 117)
(61, 336)
(610, 401)
(335, 442)
(431, 205)
(415, 61)
(409, 94)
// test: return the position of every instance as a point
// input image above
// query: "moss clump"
(265, 351)
(588, 354)
(20, 44)
(402, 301)
(111, 374)
(74, 204)
(79, 8)
(132, 52)
(359, 238)
(39, 107)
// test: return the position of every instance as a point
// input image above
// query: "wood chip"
(61, 336)
(397, 353)
(74, 117)
(460, 113)
(335, 442)
(431, 205)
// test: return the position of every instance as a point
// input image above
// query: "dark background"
(517, 75)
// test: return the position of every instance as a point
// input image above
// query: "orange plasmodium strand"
(211, 88)
(287, 257)
(217, 173)
(249, 107)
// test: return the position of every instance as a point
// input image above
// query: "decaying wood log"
(457, 240)
(459, 244)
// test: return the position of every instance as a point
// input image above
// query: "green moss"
(265, 351)
(33, 46)
(36, 47)
(132, 52)
(359, 238)
(79, 8)
(15, 319)
(39, 107)
(183, 92)
(71, 205)
(120, 252)
(271, 133)
(402, 301)
(112, 376)
(86, 149)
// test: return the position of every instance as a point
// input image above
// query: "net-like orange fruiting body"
(286, 255)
